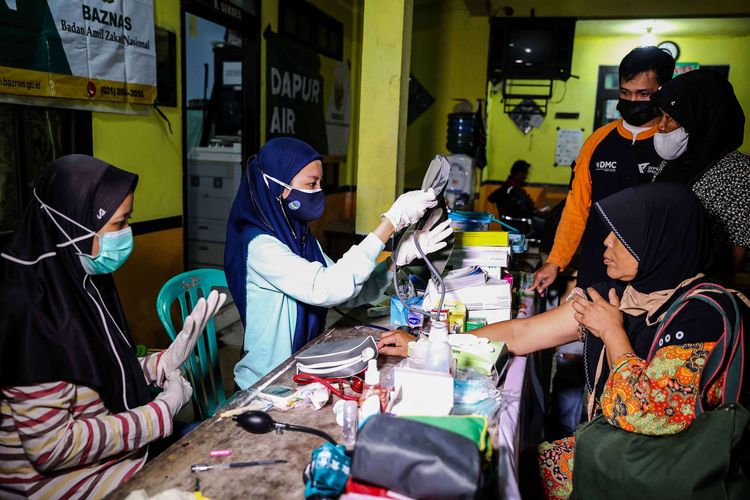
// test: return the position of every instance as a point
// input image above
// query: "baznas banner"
(95, 50)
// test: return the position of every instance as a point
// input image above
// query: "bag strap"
(727, 355)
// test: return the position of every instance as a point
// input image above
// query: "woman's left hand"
(600, 316)
(179, 350)
(395, 343)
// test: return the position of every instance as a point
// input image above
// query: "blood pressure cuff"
(342, 358)
(419, 460)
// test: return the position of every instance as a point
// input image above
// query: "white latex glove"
(410, 207)
(177, 392)
(183, 344)
(430, 240)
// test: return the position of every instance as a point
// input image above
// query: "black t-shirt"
(616, 163)
(512, 201)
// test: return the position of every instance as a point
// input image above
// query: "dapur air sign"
(294, 93)
(91, 50)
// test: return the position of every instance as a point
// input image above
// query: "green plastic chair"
(202, 367)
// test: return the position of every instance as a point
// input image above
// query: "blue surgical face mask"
(304, 205)
(114, 249)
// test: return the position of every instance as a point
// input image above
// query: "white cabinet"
(213, 179)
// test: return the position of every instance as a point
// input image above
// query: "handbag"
(703, 461)
(424, 457)
(339, 359)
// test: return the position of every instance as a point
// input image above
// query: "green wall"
(507, 144)
(449, 59)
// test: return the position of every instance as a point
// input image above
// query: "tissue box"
(482, 362)
(421, 392)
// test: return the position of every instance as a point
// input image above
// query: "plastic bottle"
(439, 352)
(374, 396)
(350, 422)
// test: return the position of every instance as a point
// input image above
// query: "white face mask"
(672, 144)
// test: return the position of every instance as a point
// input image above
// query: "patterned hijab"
(704, 103)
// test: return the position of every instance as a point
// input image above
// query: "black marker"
(205, 467)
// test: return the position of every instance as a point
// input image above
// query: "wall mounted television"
(530, 48)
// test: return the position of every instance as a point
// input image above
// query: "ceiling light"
(648, 39)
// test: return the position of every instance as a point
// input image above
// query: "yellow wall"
(144, 145)
(602, 10)
(348, 13)
(449, 59)
(507, 144)
(386, 46)
(156, 257)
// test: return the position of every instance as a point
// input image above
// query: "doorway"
(221, 103)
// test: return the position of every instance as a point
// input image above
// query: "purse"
(424, 457)
(709, 459)
(340, 359)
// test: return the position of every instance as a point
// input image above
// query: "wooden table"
(171, 469)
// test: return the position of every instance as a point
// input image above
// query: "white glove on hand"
(176, 393)
(430, 240)
(410, 207)
(185, 341)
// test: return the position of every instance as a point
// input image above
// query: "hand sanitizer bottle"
(374, 396)
(439, 352)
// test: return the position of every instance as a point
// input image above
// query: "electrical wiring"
(433, 272)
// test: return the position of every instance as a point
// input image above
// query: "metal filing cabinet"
(214, 175)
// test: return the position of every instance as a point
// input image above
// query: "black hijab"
(664, 227)
(704, 103)
(59, 323)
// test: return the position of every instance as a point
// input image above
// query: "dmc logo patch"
(294, 205)
(643, 166)
(606, 166)
(101, 213)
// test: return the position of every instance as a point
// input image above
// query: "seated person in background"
(702, 127)
(510, 198)
(281, 281)
(657, 244)
(76, 413)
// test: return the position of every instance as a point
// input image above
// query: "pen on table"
(204, 467)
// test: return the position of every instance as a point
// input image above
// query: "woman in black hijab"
(73, 394)
(657, 244)
(702, 127)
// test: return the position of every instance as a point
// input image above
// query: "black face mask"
(638, 113)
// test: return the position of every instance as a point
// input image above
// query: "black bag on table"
(421, 460)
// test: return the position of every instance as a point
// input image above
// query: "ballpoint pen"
(205, 467)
